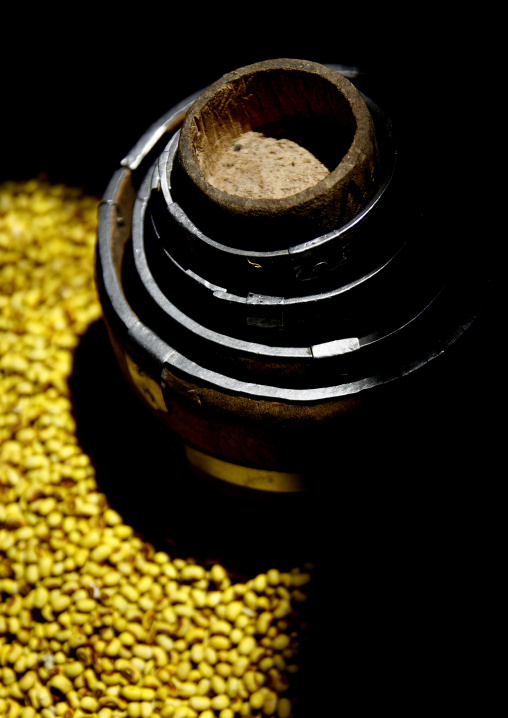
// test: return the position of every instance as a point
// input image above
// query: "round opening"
(272, 134)
(283, 137)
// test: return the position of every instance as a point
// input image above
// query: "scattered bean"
(94, 621)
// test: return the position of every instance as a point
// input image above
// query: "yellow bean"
(222, 627)
(27, 681)
(60, 683)
(273, 577)
(203, 686)
(182, 670)
(257, 698)
(198, 597)
(211, 655)
(240, 666)
(220, 642)
(146, 709)
(265, 664)
(213, 599)
(111, 578)
(283, 609)
(131, 693)
(251, 600)
(194, 635)
(32, 573)
(160, 656)
(85, 605)
(187, 689)
(199, 703)
(73, 669)
(263, 622)
(280, 642)
(259, 583)
(243, 620)
(205, 669)
(113, 647)
(41, 597)
(283, 708)
(14, 605)
(89, 704)
(144, 584)
(246, 645)
(101, 552)
(134, 709)
(14, 652)
(250, 682)
(233, 610)
(218, 684)
(164, 642)
(184, 610)
(220, 702)
(218, 573)
(232, 686)
(236, 636)
(95, 621)
(197, 653)
(60, 602)
(223, 669)
(192, 573)
(270, 703)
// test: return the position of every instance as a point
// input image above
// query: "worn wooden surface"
(302, 102)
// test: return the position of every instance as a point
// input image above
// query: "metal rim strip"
(357, 363)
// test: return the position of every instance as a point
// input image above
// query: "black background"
(79, 91)
(411, 527)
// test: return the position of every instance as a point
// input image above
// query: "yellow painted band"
(247, 476)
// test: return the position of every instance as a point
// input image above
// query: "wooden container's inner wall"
(272, 134)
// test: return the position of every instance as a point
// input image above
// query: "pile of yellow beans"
(93, 620)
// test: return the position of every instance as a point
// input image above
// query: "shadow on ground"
(402, 529)
(146, 482)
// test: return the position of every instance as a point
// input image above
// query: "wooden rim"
(329, 108)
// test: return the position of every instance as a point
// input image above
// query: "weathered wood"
(279, 145)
